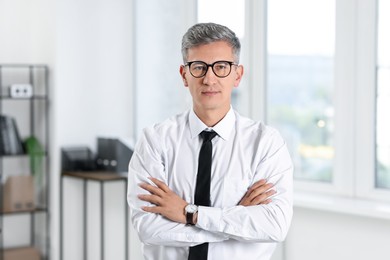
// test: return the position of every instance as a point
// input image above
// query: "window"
(383, 97)
(159, 91)
(301, 40)
(231, 15)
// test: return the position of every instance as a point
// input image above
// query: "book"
(10, 141)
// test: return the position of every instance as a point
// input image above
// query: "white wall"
(27, 31)
(323, 235)
(93, 70)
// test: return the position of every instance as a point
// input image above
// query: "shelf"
(10, 65)
(18, 155)
(13, 155)
(31, 116)
(37, 97)
(96, 175)
(36, 210)
(26, 252)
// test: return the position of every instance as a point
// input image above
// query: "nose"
(209, 78)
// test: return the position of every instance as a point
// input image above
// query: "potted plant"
(36, 154)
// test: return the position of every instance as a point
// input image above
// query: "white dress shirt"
(244, 151)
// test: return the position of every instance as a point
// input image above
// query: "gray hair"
(204, 33)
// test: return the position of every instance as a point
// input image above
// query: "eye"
(198, 67)
(221, 66)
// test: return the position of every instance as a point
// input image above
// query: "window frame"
(355, 103)
(366, 125)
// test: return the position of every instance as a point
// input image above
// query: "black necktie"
(202, 190)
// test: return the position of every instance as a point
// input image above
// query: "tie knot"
(207, 135)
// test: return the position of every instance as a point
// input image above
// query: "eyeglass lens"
(220, 68)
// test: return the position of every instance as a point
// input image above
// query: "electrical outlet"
(21, 91)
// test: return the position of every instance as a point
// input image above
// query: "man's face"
(211, 92)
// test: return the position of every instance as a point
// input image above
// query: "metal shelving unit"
(31, 114)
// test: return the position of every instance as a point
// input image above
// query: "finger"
(155, 209)
(259, 190)
(160, 184)
(260, 199)
(258, 183)
(152, 189)
(247, 197)
(263, 198)
(245, 201)
(150, 198)
(263, 195)
(267, 201)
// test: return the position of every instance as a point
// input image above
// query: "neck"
(211, 117)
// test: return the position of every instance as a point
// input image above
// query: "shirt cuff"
(209, 218)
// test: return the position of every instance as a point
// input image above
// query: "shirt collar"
(223, 128)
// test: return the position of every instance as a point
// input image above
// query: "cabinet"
(101, 178)
(24, 170)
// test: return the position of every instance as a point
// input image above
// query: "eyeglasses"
(220, 68)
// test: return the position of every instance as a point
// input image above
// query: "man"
(209, 183)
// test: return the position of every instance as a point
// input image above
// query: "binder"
(10, 141)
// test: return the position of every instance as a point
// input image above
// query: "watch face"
(190, 208)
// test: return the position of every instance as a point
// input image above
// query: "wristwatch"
(190, 210)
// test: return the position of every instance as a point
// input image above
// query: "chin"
(211, 107)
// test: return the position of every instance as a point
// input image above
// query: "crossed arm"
(157, 212)
(170, 205)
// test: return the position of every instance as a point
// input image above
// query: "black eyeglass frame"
(231, 63)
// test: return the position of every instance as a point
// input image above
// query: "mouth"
(210, 93)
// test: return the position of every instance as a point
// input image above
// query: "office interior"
(317, 70)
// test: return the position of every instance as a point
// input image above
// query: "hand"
(167, 203)
(257, 194)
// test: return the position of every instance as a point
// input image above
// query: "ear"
(239, 73)
(183, 75)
